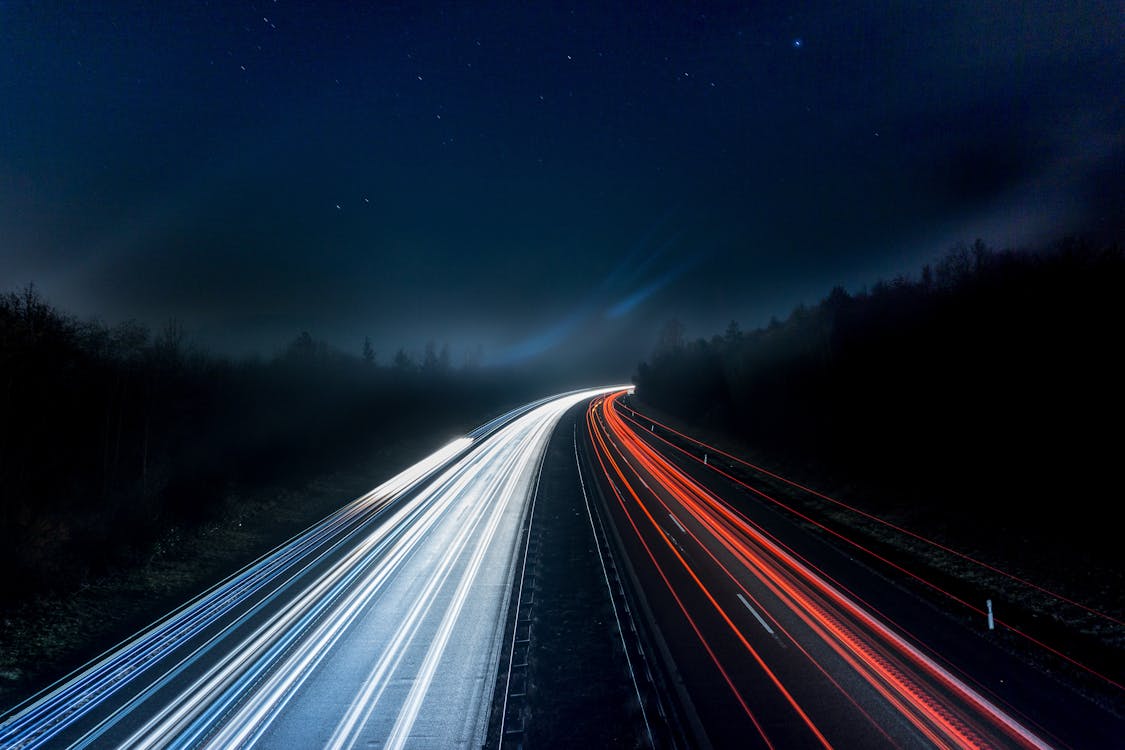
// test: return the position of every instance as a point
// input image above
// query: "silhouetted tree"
(430, 358)
(109, 435)
(403, 362)
(302, 350)
(989, 371)
(671, 338)
(474, 355)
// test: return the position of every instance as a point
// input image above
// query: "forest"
(987, 388)
(110, 435)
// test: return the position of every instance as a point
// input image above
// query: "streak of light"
(227, 667)
(609, 590)
(637, 419)
(940, 706)
(74, 696)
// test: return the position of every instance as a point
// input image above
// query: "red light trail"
(836, 649)
(636, 417)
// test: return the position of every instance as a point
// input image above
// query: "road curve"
(380, 625)
(781, 640)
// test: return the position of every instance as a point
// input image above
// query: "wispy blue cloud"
(544, 341)
(631, 301)
(631, 268)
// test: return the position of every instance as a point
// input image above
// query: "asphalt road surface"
(780, 639)
(384, 625)
(380, 626)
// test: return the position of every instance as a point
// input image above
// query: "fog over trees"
(991, 375)
(111, 434)
(988, 387)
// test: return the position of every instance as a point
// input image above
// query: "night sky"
(548, 181)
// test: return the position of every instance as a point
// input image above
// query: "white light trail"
(403, 591)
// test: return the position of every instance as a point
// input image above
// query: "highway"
(379, 626)
(384, 624)
(778, 639)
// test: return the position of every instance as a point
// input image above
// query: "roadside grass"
(45, 637)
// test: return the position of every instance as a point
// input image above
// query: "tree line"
(989, 386)
(111, 434)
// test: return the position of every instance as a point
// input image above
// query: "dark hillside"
(111, 436)
(988, 390)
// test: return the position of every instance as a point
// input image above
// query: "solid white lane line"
(754, 612)
(677, 522)
(609, 591)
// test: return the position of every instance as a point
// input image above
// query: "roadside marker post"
(991, 622)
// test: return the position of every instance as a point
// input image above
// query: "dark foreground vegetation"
(111, 436)
(986, 392)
